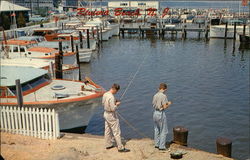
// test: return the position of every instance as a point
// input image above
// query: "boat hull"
(218, 31)
(72, 114)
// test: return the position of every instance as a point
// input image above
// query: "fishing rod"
(123, 94)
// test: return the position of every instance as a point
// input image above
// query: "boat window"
(38, 81)
(49, 32)
(15, 49)
(38, 33)
(22, 49)
(123, 4)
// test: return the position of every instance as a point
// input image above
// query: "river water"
(208, 83)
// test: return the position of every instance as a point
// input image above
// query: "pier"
(161, 31)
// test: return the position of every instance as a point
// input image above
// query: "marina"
(55, 73)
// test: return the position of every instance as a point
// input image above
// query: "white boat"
(70, 72)
(218, 31)
(21, 48)
(85, 54)
(74, 100)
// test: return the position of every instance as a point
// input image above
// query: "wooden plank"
(46, 122)
(23, 121)
(57, 126)
(34, 121)
(8, 119)
(20, 130)
(16, 119)
(53, 124)
(12, 127)
(38, 122)
(50, 129)
(30, 122)
(27, 121)
(42, 123)
(1, 119)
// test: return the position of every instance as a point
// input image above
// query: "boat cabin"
(48, 33)
(31, 80)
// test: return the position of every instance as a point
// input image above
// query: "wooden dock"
(141, 30)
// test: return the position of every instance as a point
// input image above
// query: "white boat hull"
(105, 35)
(85, 55)
(218, 31)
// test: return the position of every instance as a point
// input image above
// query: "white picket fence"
(29, 121)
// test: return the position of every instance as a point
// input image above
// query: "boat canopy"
(9, 74)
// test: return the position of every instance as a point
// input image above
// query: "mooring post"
(206, 32)
(226, 30)
(142, 33)
(185, 31)
(88, 43)
(224, 146)
(163, 33)
(101, 33)
(244, 30)
(122, 32)
(80, 37)
(140, 30)
(93, 33)
(78, 62)
(58, 62)
(97, 34)
(199, 33)
(180, 135)
(19, 93)
(62, 25)
(234, 30)
(72, 43)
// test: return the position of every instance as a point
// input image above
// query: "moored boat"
(39, 90)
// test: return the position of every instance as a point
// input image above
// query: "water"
(208, 85)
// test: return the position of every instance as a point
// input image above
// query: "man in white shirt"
(112, 125)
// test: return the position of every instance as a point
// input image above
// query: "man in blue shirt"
(160, 103)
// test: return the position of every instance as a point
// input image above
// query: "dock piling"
(97, 35)
(244, 30)
(226, 30)
(72, 43)
(101, 33)
(234, 31)
(224, 146)
(78, 62)
(19, 93)
(58, 62)
(206, 32)
(88, 43)
(80, 37)
(180, 135)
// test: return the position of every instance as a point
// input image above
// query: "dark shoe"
(156, 147)
(124, 150)
(110, 147)
(162, 149)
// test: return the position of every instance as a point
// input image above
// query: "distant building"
(12, 14)
(35, 5)
(136, 4)
(144, 6)
(70, 4)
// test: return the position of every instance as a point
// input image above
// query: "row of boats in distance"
(32, 60)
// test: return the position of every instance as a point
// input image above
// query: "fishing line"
(123, 94)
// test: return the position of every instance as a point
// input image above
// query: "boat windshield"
(39, 33)
(31, 84)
